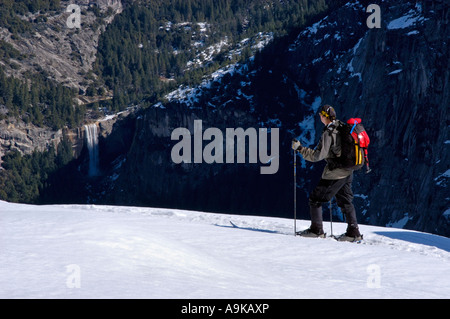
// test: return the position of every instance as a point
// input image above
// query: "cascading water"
(92, 145)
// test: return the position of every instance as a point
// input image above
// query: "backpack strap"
(354, 126)
(332, 129)
(354, 121)
(332, 126)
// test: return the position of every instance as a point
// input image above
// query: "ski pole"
(295, 194)
(331, 219)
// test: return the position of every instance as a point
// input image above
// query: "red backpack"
(354, 143)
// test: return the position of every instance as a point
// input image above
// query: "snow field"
(89, 251)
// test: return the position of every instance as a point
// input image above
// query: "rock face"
(26, 138)
(150, 177)
(65, 53)
(395, 78)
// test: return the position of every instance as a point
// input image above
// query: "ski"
(344, 238)
(234, 225)
(251, 228)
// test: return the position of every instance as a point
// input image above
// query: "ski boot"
(310, 233)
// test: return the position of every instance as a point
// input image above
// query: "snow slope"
(127, 252)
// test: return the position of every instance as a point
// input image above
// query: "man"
(335, 182)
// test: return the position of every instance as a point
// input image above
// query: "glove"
(296, 145)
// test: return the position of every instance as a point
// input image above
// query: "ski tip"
(232, 224)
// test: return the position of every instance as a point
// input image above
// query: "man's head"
(327, 114)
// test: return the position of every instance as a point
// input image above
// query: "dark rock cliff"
(397, 80)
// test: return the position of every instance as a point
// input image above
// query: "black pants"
(324, 192)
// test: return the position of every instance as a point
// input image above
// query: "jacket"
(328, 147)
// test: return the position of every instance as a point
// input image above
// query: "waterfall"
(92, 145)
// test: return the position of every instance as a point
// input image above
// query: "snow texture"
(75, 251)
(190, 95)
(396, 72)
(410, 19)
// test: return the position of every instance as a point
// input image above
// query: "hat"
(328, 111)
